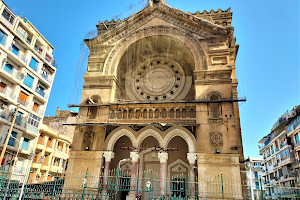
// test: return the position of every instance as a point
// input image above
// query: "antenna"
(130, 7)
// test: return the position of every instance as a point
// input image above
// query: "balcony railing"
(19, 55)
(46, 77)
(40, 92)
(31, 128)
(23, 37)
(40, 51)
(8, 93)
(23, 102)
(37, 110)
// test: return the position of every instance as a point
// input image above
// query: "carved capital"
(134, 156)
(108, 155)
(192, 157)
(163, 157)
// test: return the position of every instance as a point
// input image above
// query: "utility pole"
(9, 133)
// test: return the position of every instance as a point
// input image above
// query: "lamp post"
(249, 165)
(84, 186)
(123, 160)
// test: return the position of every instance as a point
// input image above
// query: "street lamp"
(249, 165)
(123, 160)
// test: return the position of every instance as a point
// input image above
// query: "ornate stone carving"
(192, 157)
(163, 157)
(88, 137)
(216, 138)
(108, 155)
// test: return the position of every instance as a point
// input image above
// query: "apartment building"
(254, 177)
(51, 155)
(27, 70)
(280, 153)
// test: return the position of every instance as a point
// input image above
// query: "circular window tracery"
(163, 79)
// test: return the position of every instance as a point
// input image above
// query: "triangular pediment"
(162, 15)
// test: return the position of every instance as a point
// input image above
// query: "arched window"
(120, 114)
(137, 114)
(150, 113)
(93, 112)
(145, 112)
(130, 114)
(164, 113)
(177, 113)
(156, 113)
(192, 113)
(112, 114)
(125, 114)
(8, 68)
(171, 113)
(214, 107)
(183, 113)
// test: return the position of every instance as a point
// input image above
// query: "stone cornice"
(174, 16)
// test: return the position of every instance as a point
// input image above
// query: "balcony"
(22, 102)
(56, 169)
(39, 50)
(40, 92)
(8, 93)
(23, 37)
(19, 55)
(46, 77)
(31, 128)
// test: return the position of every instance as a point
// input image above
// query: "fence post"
(151, 185)
(117, 182)
(186, 189)
(25, 187)
(84, 184)
(53, 191)
(222, 187)
(2, 178)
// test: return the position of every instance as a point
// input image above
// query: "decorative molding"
(134, 156)
(108, 155)
(192, 157)
(216, 138)
(163, 157)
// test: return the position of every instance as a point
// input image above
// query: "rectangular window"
(3, 37)
(2, 87)
(15, 49)
(35, 107)
(255, 175)
(8, 68)
(297, 138)
(33, 64)
(22, 98)
(25, 144)
(11, 141)
(8, 16)
(28, 81)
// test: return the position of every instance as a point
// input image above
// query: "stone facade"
(161, 78)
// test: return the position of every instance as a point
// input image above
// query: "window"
(35, 107)
(28, 81)
(22, 98)
(15, 49)
(33, 63)
(25, 144)
(11, 141)
(3, 37)
(8, 68)
(40, 91)
(297, 138)
(33, 120)
(257, 185)
(255, 175)
(8, 16)
(214, 107)
(18, 120)
(2, 86)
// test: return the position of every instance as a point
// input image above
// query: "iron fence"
(120, 184)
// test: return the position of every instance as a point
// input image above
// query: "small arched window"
(177, 113)
(125, 114)
(156, 113)
(145, 112)
(137, 114)
(130, 114)
(183, 113)
(120, 114)
(150, 113)
(171, 113)
(214, 107)
(192, 113)
(164, 113)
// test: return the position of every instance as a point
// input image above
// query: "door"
(2, 87)
(22, 98)
(35, 107)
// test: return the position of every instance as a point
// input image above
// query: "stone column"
(134, 158)
(163, 157)
(192, 157)
(108, 155)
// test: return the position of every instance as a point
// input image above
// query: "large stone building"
(27, 71)
(161, 78)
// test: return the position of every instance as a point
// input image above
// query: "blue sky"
(267, 63)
